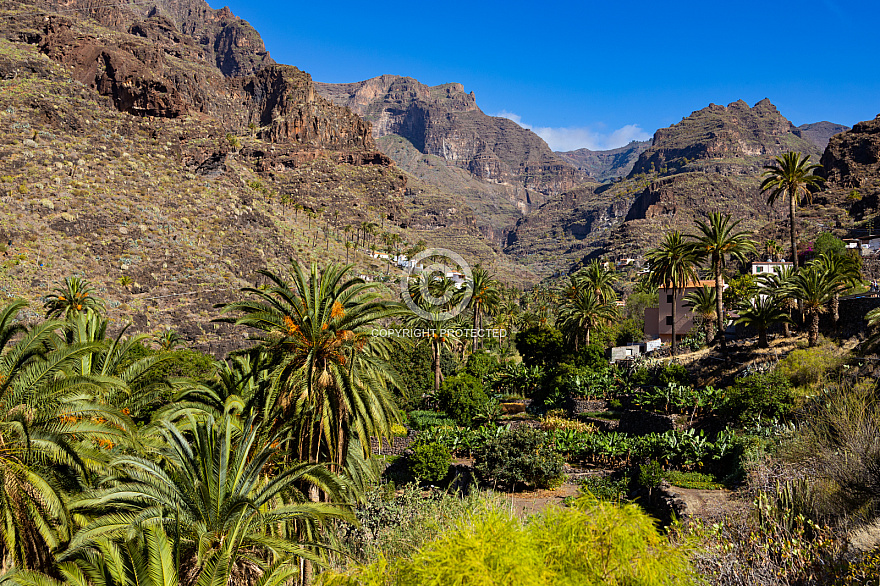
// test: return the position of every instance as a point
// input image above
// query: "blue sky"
(595, 75)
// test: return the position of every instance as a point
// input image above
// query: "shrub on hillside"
(673, 373)
(461, 397)
(520, 456)
(592, 542)
(429, 462)
(422, 420)
(758, 396)
(540, 345)
(481, 364)
(809, 365)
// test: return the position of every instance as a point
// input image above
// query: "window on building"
(668, 320)
(669, 298)
(759, 269)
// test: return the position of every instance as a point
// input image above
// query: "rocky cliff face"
(154, 69)
(127, 151)
(851, 164)
(604, 165)
(220, 37)
(733, 139)
(445, 121)
(710, 161)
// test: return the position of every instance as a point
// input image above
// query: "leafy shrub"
(757, 396)
(650, 475)
(605, 488)
(808, 366)
(481, 364)
(519, 456)
(673, 373)
(591, 356)
(398, 430)
(429, 462)
(592, 542)
(540, 345)
(461, 397)
(423, 420)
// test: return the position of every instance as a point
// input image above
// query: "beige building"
(658, 320)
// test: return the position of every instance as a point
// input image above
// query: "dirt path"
(536, 501)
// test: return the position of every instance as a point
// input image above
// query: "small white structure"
(761, 268)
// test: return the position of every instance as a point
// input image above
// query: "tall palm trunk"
(674, 303)
(835, 310)
(476, 322)
(813, 336)
(719, 304)
(435, 362)
(791, 212)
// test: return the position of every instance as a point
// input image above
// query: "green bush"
(650, 475)
(520, 456)
(540, 345)
(481, 364)
(758, 396)
(808, 366)
(429, 462)
(423, 420)
(605, 488)
(461, 397)
(673, 373)
(590, 543)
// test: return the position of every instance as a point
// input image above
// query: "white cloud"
(573, 137)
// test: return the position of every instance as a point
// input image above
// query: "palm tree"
(50, 427)
(484, 298)
(168, 340)
(842, 268)
(703, 302)
(718, 240)
(332, 383)
(814, 288)
(208, 489)
(794, 177)
(74, 296)
(146, 560)
(761, 313)
(672, 267)
(583, 313)
(599, 278)
(779, 283)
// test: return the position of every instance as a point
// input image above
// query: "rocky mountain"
(442, 124)
(820, 133)
(168, 166)
(610, 164)
(710, 161)
(851, 165)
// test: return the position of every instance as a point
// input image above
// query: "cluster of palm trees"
(814, 288)
(236, 479)
(231, 482)
(589, 300)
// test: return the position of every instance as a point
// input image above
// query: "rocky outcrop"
(604, 165)
(445, 121)
(819, 133)
(142, 74)
(283, 102)
(221, 38)
(732, 139)
(853, 156)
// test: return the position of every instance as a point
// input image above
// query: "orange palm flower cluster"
(337, 310)
(292, 328)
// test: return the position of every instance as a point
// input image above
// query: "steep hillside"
(516, 169)
(710, 161)
(851, 164)
(820, 133)
(610, 164)
(133, 160)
